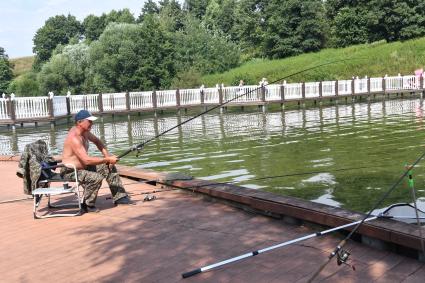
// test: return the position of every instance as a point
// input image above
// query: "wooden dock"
(183, 229)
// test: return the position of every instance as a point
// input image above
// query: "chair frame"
(64, 189)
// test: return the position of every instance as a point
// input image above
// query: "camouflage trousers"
(91, 180)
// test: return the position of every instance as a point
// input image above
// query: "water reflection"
(241, 147)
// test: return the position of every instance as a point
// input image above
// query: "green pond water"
(316, 145)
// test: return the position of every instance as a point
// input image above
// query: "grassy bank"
(22, 65)
(373, 60)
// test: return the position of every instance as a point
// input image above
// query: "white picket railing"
(166, 98)
(190, 96)
(38, 107)
(59, 106)
(113, 101)
(3, 109)
(31, 107)
(211, 95)
(141, 100)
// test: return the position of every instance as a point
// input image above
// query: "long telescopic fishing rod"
(338, 250)
(141, 145)
(254, 253)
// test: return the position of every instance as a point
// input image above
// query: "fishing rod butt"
(191, 273)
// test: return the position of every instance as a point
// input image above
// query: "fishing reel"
(342, 257)
(138, 149)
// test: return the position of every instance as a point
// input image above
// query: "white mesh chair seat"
(61, 187)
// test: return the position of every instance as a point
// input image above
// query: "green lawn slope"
(372, 60)
(22, 65)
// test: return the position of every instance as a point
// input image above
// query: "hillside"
(375, 59)
(22, 65)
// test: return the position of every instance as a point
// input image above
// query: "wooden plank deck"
(181, 230)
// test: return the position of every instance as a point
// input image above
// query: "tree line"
(170, 45)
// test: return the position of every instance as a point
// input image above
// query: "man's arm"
(79, 150)
(99, 144)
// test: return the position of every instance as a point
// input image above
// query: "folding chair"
(62, 187)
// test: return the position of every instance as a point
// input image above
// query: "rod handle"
(191, 273)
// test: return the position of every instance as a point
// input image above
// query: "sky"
(20, 19)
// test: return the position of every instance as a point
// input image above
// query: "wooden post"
(384, 87)
(11, 109)
(353, 89)
(68, 105)
(282, 93)
(263, 93)
(220, 95)
(368, 86)
(100, 102)
(303, 90)
(50, 107)
(336, 88)
(421, 82)
(154, 101)
(127, 101)
(320, 90)
(202, 96)
(178, 98)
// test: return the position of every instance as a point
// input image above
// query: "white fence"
(28, 108)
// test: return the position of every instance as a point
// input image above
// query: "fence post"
(421, 82)
(11, 109)
(353, 89)
(68, 103)
(263, 93)
(320, 89)
(303, 90)
(50, 107)
(384, 86)
(336, 88)
(220, 94)
(154, 101)
(100, 102)
(202, 95)
(178, 98)
(282, 92)
(368, 86)
(127, 100)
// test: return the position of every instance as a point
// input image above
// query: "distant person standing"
(264, 83)
(241, 87)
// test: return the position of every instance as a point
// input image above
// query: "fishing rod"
(257, 252)
(339, 248)
(139, 146)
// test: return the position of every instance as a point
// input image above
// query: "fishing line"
(141, 145)
(339, 249)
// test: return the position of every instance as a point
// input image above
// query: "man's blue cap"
(84, 114)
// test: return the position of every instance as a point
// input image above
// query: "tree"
(56, 30)
(204, 50)
(350, 28)
(6, 72)
(249, 26)
(149, 8)
(94, 26)
(293, 27)
(171, 16)
(367, 21)
(220, 14)
(196, 8)
(25, 85)
(132, 57)
(68, 70)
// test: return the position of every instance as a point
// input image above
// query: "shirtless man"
(91, 170)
